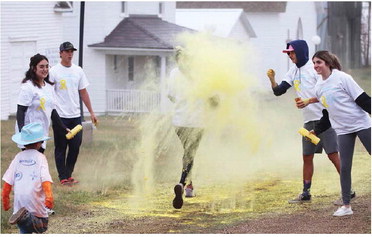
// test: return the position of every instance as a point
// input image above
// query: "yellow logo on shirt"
(296, 84)
(324, 101)
(62, 85)
(42, 104)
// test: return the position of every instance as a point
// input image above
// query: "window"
(124, 9)
(64, 6)
(131, 68)
(161, 8)
(115, 62)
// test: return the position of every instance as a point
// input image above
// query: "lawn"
(127, 174)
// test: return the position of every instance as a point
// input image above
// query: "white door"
(20, 54)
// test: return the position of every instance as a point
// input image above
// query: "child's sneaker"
(301, 199)
(72, 180)
(50, 211)
(178, 201)
(339, 201)
(17, 216)
(343, 211)
(189, 191)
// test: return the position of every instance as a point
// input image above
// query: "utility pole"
(81, 47)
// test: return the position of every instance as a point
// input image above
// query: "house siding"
(239, 32)
(271, 30)
(96, 29)
(27, 23)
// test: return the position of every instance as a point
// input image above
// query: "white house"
(122, 38)
(115, 72)
(266, 26)
(27, 28)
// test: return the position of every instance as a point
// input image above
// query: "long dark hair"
(30, 74)
(329, 58)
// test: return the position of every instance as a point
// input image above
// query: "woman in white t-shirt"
(36, 103)
(347, 106)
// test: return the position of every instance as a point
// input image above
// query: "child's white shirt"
(26, 173)
(69, 80)
(338, 94)
(304, 80)
(40, 103)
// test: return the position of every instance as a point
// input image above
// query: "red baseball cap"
(290, 49)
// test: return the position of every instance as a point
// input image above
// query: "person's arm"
(281, 89)
(7, 188)
(21, 114)
(364, 101)
(277, 89)
(85, 98)
(302, 103)
(57, 120)
(323, 124)
(47, 188)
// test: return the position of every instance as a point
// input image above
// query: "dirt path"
(313, 221)
(306, 219)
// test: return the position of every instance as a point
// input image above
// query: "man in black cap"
(70, 85)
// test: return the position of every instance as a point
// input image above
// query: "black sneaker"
(17, 216)
(339, 201)
(301, 199)
(178, 201)
(352, 195)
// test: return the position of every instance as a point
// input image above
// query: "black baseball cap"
(66, 46)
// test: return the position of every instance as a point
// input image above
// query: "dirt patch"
(313, 221)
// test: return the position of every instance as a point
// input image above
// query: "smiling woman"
(36, 99)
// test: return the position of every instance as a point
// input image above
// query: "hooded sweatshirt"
(303, 77)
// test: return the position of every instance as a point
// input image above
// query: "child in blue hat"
(29, 174)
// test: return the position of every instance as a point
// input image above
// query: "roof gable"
(140, 31)
(220, 21)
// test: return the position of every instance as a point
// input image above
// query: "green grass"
(107, 197)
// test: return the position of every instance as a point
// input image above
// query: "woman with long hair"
(36, 101)
(346, 109)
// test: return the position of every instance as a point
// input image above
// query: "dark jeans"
(65, 164)
(31, 224)
(190, 139)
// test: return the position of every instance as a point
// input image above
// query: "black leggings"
(347, 143)
(190, 139)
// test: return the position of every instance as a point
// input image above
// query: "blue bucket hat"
(30, 133)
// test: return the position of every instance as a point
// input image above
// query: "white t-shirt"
(40, 103)
(189, 112)
(69, 80)
(26, 173)
(338, 94)
(304, 80)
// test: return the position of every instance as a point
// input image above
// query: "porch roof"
(140, 31)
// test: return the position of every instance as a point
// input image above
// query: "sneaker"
(50, 211)
(178, 201)
(339, 201)
(17, 216)
(189, 191)
(301, 199)
(343, 211)
(72, 180)
(65, 182)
